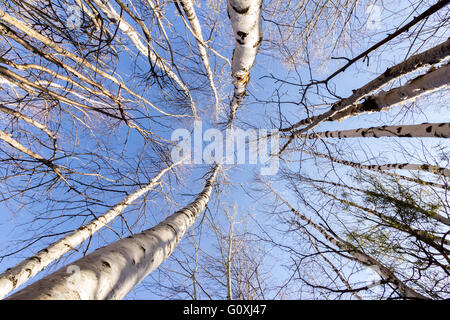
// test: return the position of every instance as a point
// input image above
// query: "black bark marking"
(239, 41)
(36, 258)
(428, 129)
(241, 11)
(106, 264)
(242, 34)
(13, 280)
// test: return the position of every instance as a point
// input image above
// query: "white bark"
(360, 256)
(381, 168)
(433, 80)
(424, 130)
(245, 16)
(188, 8)
(14, 277)
(414, 63)
(27, 119)
(133, 35)
(112, 271)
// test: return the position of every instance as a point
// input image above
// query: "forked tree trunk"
(245, 16)
(14, 277)
(112, 271)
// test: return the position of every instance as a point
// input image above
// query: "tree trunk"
(245, 19)
(188, 8)
(424, 130)
(391, 166)
(433, 80)
(131, 33)
(14, 277)
(112, 271)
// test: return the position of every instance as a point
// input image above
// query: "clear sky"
(241, 176)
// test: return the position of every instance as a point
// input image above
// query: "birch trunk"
(433, 80)
(112, 271)
(393, 199)
(51, 57)
(131, 33)
(414, 63)
(360, 256)
(188, 8)
(424, 130)
(378, 168)
(245, 16)
(14, 277)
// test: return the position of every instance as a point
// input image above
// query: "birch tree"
(245, 18)
(16, 276)
(112, 271)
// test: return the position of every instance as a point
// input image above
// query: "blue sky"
(242, 175)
